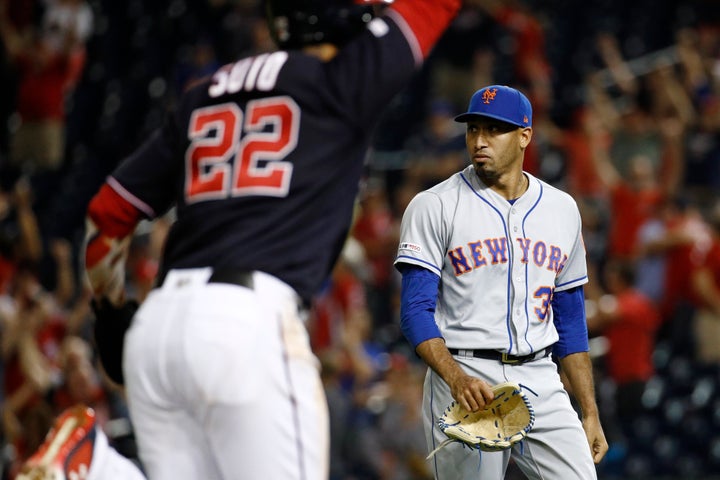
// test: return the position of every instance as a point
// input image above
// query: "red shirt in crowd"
(709, 259)
(632, 338)
(630, 210)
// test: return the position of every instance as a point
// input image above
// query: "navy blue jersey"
(263, 159)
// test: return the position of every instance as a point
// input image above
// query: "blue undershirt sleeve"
(418, 298)
(570, 322)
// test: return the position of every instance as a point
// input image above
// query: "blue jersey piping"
(421, 261)
(572, 281)
(510, 261)
(527, 314)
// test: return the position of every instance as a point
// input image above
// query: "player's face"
(495, 148)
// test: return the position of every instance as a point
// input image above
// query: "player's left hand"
(111, 323)
(596, 437)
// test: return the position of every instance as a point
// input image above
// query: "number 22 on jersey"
(234, 153)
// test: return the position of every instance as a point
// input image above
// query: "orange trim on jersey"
(114, 216)
(427, 19)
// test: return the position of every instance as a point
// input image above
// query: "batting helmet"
(296, 23)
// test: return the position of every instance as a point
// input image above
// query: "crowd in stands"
(626, 119)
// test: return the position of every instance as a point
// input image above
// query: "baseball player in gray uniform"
(493, 264)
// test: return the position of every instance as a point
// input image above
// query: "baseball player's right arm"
(470, 392)
(423, 223)
(417, 322)
(110, 223)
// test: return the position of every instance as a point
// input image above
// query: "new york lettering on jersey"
(465, 259)
(516, 273)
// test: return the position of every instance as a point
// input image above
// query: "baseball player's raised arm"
(425, 21)
(365, 76)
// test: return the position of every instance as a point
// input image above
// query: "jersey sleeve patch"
(412, 247)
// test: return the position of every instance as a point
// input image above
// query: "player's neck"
(509, 187)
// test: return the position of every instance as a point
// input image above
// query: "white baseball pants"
(222, 383)
(556, 447)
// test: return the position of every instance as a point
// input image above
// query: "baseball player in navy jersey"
(262, 162)
(493, 264)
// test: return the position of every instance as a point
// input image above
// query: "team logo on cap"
(489, 95)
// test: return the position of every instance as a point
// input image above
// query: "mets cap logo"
(489, 95)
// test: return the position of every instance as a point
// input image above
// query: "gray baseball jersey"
(499, 263)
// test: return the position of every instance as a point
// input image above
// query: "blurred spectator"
(651, 248)
(629, 321)
(438, 149)
(705, 281)
(582, 179)
(376, 228)
(20, 16)
(641, 119)
(697, 53)
(400, 423)
(81, 383)
(20, 236)
(632, 199)
(636, 193)
(681, 238)
(30, 342)
(49, 60)
(339, 406)
(532, 68)
(343, 299)
(464, 57)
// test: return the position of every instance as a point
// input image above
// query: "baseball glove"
(500, 425)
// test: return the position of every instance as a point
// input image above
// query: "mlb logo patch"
(410, 246)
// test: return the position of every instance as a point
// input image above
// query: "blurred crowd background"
(626, 100)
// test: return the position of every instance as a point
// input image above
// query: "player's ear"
(525, 136)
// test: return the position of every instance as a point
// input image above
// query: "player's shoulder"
(438, 197)
(553, 194)
(449, 186)
(442, 191)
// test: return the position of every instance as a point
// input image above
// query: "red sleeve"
(113, 215)
(427, 19)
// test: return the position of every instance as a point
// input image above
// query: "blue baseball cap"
(501, 103)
